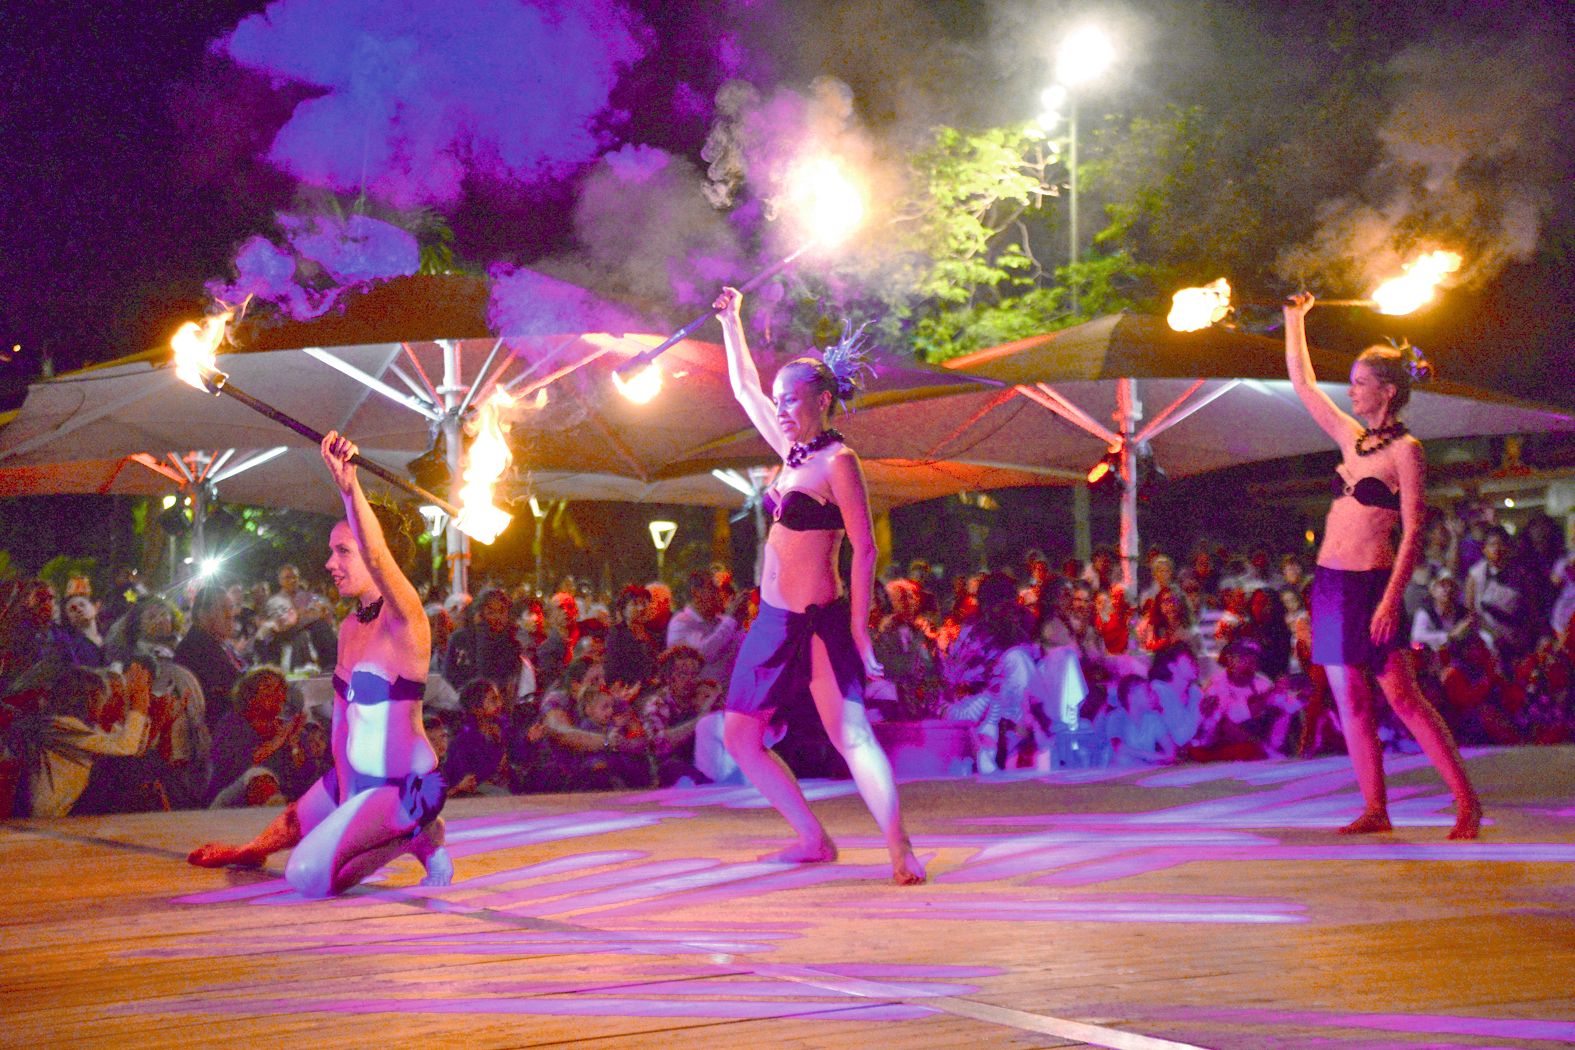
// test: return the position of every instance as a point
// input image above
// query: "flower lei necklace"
(1372, 439)
(799, 452)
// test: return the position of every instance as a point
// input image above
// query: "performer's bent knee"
(309, 876)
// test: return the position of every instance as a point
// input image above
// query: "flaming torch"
(479, 517)
(1194, 309)
(823, 200)
(1417, 284)
(196, 346)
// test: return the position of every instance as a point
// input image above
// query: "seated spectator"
(1443, 620)
(671, 714)
(206, 652)
(84, 644)
(1478, 697)
(972, 664)
(68, 742)
(258, 786)
(631, 649)
(1163, 570)
(1174, 676)
(1138, 733)
(1496, 592)
(1163, 622)
(310, 757)
(486, 647)
(708, 626)
(477, 761)
(1265, 623)
(1562, 617)
(577, 758)
(1071, 622)
(254, 733)
(1299, 625)
(136, 783)
(905, 646)
(311, 637)
(1235, 708)
(1547, 677)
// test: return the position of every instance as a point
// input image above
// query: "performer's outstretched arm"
(743, 374)
(1298, 364)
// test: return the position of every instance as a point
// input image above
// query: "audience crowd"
(220, 696)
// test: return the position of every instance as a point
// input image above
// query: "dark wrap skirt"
(773, 665)
(421, 795)
(1342, 607)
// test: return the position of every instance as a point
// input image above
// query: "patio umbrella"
(1081, 374)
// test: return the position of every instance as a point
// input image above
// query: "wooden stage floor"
(1201, 906)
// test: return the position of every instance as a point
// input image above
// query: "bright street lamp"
(1083, 55)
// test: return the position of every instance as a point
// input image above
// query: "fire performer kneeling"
(383, 795)
(809, 636)
(1358, 625)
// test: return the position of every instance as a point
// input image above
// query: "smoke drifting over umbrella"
(1473, 147)
(324, 256)
(416, 97)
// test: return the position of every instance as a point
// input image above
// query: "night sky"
(133, 149)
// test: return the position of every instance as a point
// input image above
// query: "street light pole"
(1072, 209)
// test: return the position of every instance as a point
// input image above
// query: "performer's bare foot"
(220, 855)
(821, 852)
(427, 847)
(1371, 822)
(1468, 819)
(905, 867)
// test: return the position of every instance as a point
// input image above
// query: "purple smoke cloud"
(416, 96)
(325, 256)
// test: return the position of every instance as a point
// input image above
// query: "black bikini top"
(798, 511)
(369, 687)
(1368, 491)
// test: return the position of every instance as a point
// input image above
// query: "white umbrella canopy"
(80, 432)
(892, 483)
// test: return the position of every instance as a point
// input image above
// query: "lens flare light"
(824, 200)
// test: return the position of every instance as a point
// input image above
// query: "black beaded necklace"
(1384, 436)
(798, 453)
(368, 613)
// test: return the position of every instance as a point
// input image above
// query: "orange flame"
(487, 458)
(196, 347)
(1416, 286)
(1193, 309)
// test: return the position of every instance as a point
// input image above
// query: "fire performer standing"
(810, 637)
(383, 795)
(1358, 623)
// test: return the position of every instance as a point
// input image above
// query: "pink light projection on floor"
(625, 905)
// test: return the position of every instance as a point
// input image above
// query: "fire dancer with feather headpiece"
(810, 638)
(383, 795)
(1358, 623)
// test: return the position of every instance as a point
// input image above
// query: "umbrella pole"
(456, 543)
(1127, 412)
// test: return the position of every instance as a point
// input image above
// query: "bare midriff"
(387, 739)
(1357, 537)
(801, 568)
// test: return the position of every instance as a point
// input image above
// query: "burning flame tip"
(488, 457)
(1417, 285)
(1194, 309)
(196, 347)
